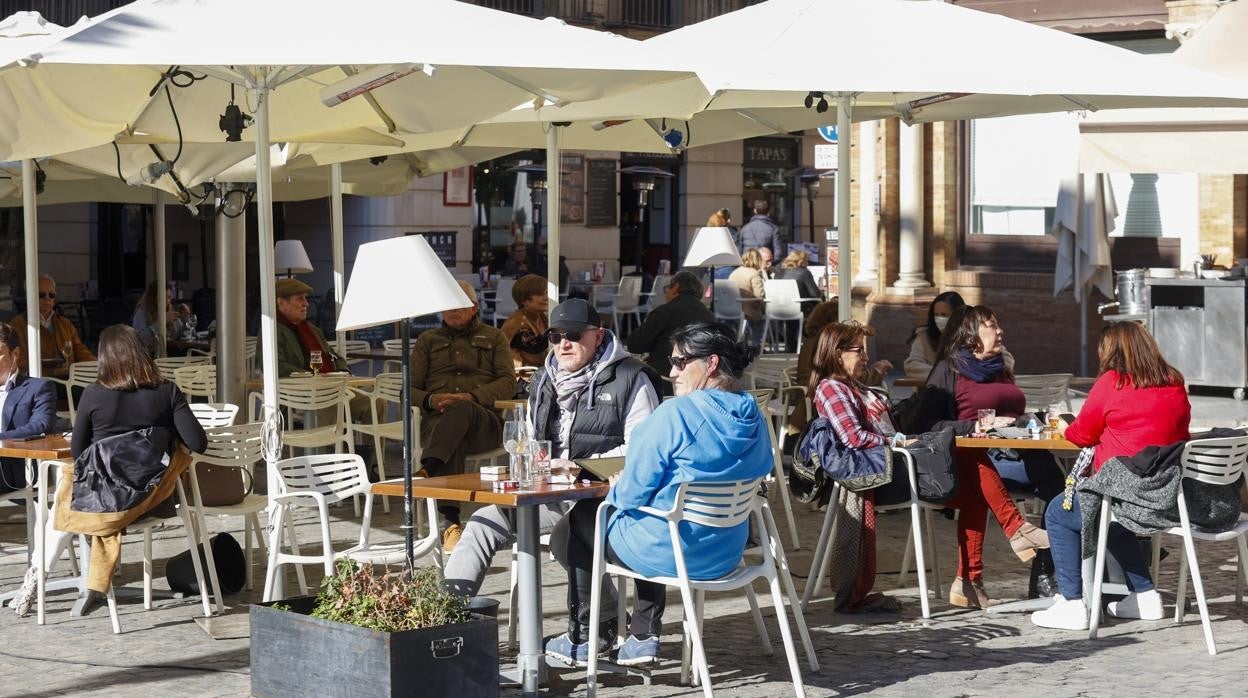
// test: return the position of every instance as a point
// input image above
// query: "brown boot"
(1026, 540)
(968, 594)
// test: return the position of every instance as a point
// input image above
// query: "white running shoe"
(1145, 605)
(1064, 614)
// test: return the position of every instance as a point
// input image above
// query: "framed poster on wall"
(572, 193)
(457, 187)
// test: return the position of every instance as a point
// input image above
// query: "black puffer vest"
(601, 411)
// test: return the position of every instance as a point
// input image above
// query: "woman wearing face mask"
(971, 374)
(926, 338)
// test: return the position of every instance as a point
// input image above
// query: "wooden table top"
(54, 447)
(509, 404)
(1055, 443)
(469, 487)
(257, 383)
(909, 383)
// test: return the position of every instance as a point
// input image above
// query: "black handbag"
(934, 465)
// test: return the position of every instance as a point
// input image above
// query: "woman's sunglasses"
(556, 336)
(680, 362)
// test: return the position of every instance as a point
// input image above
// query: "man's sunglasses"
(680, 362)
(556, 336)
(47, 295)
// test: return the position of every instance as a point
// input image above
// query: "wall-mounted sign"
(572, 192)
(603, 193)
(443, 244)
(457, 187)
(770, 153)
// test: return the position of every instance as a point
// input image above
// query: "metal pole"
(553, 186)
(335, 231)
(30, 229)
(844, 133)
(268, 300)
(405, 394)
(1080, 290)
(162, 276)
(231, 244)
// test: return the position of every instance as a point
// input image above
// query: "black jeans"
(651, 598)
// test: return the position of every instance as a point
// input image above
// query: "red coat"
(1122, 421)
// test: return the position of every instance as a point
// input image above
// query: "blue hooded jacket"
(706, 436)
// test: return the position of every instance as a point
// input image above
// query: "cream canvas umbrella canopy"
(1210, 141)
(1083, 219)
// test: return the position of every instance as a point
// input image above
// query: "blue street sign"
(828, 133)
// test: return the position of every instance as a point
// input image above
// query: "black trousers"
(579, 552)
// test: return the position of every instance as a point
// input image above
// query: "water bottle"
(1033, 429)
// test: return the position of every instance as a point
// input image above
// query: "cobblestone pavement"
(956, 653)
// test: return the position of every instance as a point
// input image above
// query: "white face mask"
(941, 322)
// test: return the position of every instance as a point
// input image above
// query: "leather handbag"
(222, 485)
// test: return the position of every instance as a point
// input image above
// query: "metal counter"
(1200, 326)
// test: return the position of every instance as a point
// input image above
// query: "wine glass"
(315, 361)
(191, 322)
(67, 352)
(515, 443)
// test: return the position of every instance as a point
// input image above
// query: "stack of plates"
(1163, 272)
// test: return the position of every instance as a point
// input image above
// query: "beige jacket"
(751, 284)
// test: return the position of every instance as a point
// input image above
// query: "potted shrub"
(366, 635)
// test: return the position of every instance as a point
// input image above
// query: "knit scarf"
(980, 370)
(310, 343)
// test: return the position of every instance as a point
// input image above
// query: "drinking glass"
(315, 361)
(539, 453)
(515, 443)
(984, 420)
(67, 353)
(191, 322)
(1054, 417)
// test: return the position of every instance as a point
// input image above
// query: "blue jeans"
(1064, 527)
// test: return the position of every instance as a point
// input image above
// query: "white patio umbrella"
(1180, 140)
(1084, 218)
(950, 63)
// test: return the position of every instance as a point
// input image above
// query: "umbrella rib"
(517, 82)
(759, 120)
(391, 127)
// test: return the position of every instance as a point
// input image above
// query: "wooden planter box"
(294, 654)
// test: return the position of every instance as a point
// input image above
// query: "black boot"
(1043, 582)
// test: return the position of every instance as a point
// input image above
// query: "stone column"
(910, 255)
(868, 221)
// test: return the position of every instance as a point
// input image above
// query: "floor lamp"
(290, 257)
(396, 280)
(713, 247)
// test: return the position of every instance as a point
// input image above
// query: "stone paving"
(956, 653)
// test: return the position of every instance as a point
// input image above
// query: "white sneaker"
(25, 597)
(1143, 606)
(1064, 614)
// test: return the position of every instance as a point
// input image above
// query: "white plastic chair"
(655, 297)
(240, 447)
(1044, 389)
(315, 482)
(169, 364)
(395, 346)
(214, 414)
(717, 505)
(728, 305)
(81, 374)
(324, 395)
(627, 302)
(1218, 461)
(353, 346)
(387, 392)
(763, 398)
(819, 564)
(25, 498)
(782, 306)
(504, 304)
(197, 381)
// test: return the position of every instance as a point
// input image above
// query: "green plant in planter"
(390, 602)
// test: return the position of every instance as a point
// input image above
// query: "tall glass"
(315, 361)
(516, 443)
(1054, 417)
(539, 455)
(985, 418)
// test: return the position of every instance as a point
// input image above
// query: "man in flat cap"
(459, 370)
(296, 337)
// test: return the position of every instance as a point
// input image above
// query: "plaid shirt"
(853, 416)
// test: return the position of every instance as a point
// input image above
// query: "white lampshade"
(713, 247)
(395, 279)
(289, 257)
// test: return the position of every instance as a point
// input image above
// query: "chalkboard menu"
(572, 193)
(603, 196)
(376, 334)
(443, 244)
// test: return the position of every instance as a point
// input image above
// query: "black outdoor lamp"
(644, 180)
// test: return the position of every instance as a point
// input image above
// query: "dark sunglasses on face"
(556, 336)
(680, 362)
(855, 350)
(51, 295)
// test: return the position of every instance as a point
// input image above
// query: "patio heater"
(536, 182)
(809, 179)
(395, 280)
(644, 180)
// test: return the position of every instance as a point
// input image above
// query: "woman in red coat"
(1138, 401)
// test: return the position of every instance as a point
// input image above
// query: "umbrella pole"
(162, 276)
(553, 185)
(1080, 288)
(268, 301)
(335, 228)
(844, 134)
(30, 229)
